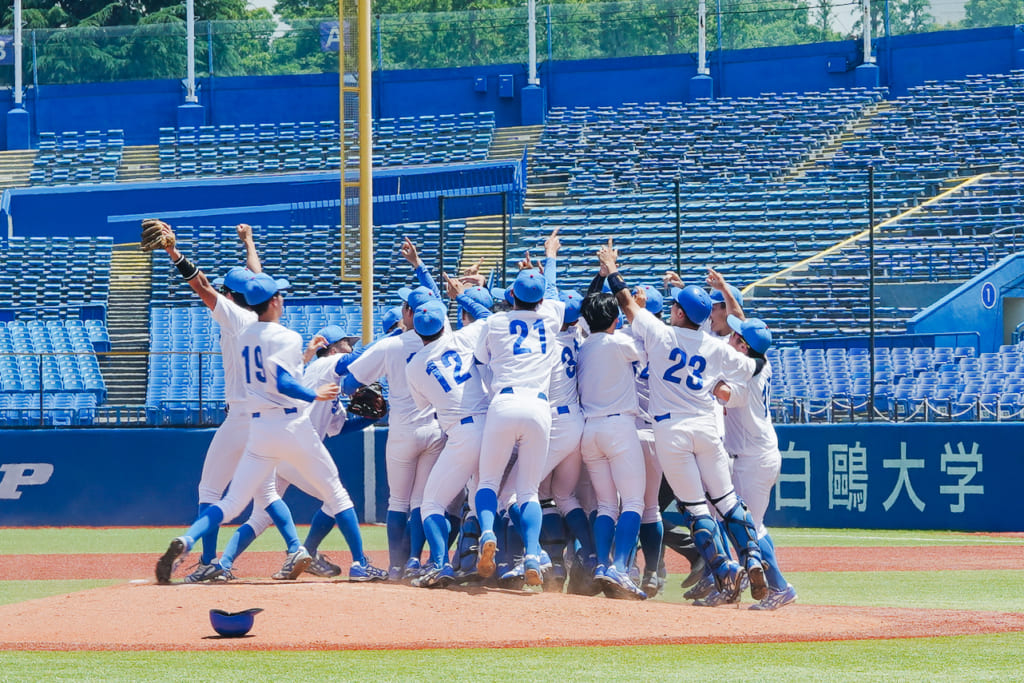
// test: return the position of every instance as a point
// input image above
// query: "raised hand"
(453, 287)
(244, 231)
(552, 244)
(408, 250)
(672, 279)
(608, 256)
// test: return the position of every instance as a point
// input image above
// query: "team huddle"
(535, 442)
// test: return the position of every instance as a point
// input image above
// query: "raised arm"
(457, 290)
(252, 258)
(408, 250)
(551, 246)
(715, 281)
(608, 257)
(195, 277)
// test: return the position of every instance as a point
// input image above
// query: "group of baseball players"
(540, 437)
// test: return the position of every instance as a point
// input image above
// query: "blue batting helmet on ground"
(233, 624)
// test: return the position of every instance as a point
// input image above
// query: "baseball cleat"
(488, 547)
(703, 588)
(776, 599)
(412, 571)
(204, 572)
(651, 584)
(361, 573)
(758, 583)
(532, 571)
(295, 564)
(696, 571)
(436, 577)
(323, 567)
(729, 579)
(169, 561)
(554, 580)
(617, 584)
(716, 599)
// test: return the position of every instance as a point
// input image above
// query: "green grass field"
(973, 658)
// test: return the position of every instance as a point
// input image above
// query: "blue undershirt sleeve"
(289, 386)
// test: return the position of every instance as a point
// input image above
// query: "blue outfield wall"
(884, 476)
(140, 108)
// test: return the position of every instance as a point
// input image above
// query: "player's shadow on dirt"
(248, 635)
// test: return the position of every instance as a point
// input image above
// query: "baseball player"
(682, 361)
(610, 445)
(414, 437)
(443, 375)
(233, 314)
(519, 347)
(280, 431)
(333, 351)
(751, 440)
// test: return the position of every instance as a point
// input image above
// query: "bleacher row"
(73, 157)
(910, 384)
(54, 277)
(315, 146)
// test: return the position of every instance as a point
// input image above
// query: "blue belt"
(287, 411)
(510, 390)
(562, 410)
(662, 418)
(466, 420)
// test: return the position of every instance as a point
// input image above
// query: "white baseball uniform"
(751, 440)
(521, 348)
(414, 437)
(611, 447)
(444, 376)
(645, 432)
(682, 364)
(281, 430)
(565, 460)
(228, 442)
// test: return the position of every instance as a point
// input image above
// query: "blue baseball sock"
(454, 525)
(211, 517)
(416, 538)
(531, 519)
(319, 527)
(209, 539)
(552, 535)
(771, 565)
(651, 535)
(282, 517)
(604, 529)
(348, 524)
(397, 528)
(486, 509)
(240, 540)
(435, 528)
(626, 532)
(579, 526)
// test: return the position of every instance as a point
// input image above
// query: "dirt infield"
(318, 614)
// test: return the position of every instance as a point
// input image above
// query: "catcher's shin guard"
(553, 540)
(711, 545)
(740, 527)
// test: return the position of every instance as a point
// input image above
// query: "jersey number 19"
(257, 362)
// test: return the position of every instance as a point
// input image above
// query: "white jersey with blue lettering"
(443, 377)
(683, 363)
(328, 417)
(264, 347)
(521, 347)
(232, 319)
(748, 424)
(388, 358)
(563, 390)
(606, 381)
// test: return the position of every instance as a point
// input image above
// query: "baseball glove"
(153, 236)
(368, 401)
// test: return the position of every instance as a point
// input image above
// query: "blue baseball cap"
(529, 286)
(502, 293)
(754, 331)
(428, 318)
(694, 301)
(655, 301)
(718, 298)
(391, 317)
(334, 334)
(261, 287)
(235, 279)
(416, 297)
(573, 300)
(480, 295)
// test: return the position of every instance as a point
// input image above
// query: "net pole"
(365, 61)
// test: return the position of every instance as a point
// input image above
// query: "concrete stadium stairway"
(139, 163)
(14, 168)
(848, 133)
(128, 326)
(483, 236)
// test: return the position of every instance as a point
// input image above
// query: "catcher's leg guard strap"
(469, 539)
(740, 527)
